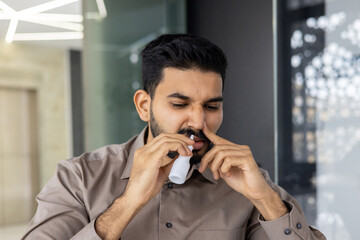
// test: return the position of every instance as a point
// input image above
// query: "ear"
(142, 103)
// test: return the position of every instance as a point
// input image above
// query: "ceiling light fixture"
(36, 15)
(102, 13)
(55, 17)
(12, 29)
(101, 7)
(6, 8)
(48, 36)
(65, 25)
(45, 7)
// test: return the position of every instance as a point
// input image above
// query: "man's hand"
(152, 166)
(236, 165)
(150, 170)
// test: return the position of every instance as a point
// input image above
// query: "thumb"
(166, 169)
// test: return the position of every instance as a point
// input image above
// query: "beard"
(156, 130)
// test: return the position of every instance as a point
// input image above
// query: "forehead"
(190, 82)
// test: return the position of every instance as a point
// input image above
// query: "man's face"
(183, 101)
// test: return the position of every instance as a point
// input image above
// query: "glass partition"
(115, 33)
(319, 111)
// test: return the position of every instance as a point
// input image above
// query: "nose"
(196, 118)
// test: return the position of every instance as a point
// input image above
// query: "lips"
(197, 139)
(198, 144)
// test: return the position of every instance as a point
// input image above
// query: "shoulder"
(106, 159)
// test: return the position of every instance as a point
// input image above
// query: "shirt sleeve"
(61, 212)
(291, 226)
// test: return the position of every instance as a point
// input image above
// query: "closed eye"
(179, 105)
(212, 107)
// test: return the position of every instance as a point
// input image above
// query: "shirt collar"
(207, 174)
(139, 141)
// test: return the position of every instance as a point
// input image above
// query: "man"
(123, 191)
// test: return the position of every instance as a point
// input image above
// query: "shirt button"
(169, 225)
(170, 185)
(287, 231)
(298, 226)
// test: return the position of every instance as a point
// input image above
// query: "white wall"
(43, 72)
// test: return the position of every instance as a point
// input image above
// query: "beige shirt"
(201, 208)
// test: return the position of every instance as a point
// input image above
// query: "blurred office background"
(69, 68)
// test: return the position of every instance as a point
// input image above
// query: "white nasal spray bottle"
(181, 167)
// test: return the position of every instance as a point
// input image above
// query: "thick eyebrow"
(178, 95)
(217, 99)
(183, 97)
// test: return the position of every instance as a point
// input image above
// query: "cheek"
(214, 121)
(170, 120)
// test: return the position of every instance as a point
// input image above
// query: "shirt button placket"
(166, 226)
(169, 186)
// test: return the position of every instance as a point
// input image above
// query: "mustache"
(199, 134)
(188, 132)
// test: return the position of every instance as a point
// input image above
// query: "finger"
(215, 164)
(179, 147)
(158, 156)
(209, 156)
(220, 159)
(226, 166)
(163, 174)
(176, 137)
(204, 163)
(187, 140)
(216, 175)
(225, 175)
(166, 169)
(239, 162)
(220, 148)
(182, 137)
(215, 139)
(167, 161)
(169, 144)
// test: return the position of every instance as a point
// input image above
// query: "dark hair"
(180, 51)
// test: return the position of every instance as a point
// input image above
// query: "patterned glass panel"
(324, 60)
